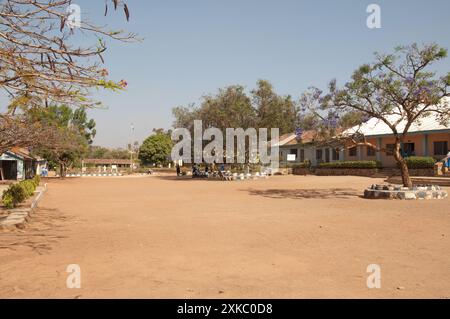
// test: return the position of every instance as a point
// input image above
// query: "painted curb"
(19, 217)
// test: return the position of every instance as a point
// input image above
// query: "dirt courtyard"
(284, 237)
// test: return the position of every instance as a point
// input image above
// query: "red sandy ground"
(285, 237)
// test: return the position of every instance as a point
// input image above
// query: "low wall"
(301, 171)
(367, 172)
(421, 172)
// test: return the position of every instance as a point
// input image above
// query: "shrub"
(29, 187)
(420, 162)
(15, 194)
(37, 180)
(351, 164)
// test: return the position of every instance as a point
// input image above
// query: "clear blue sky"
(193, 47)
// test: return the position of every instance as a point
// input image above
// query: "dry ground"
(288, 237)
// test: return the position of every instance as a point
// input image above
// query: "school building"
(426, 137)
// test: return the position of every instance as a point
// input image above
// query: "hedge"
(420, 162)
(351, 164)
(19, 192)
(305, 164)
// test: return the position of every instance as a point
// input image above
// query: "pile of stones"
(405, 193)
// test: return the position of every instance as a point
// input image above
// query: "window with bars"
(390, 148)
(319, 155)
(302, 155)
(440, 148)
(335, 154)
(371, 151)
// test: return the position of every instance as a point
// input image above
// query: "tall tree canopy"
(107, 153)
(156, 148)
(232, 107)
(274, 110)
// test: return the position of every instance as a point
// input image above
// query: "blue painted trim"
(13, 155)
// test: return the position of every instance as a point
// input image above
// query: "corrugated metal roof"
(291, 139)
(21, 152)
(375, 127)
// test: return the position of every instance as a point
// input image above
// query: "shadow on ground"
(45, 229)
(184, 178)
(329, 193)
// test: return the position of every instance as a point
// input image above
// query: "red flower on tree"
(123, 84)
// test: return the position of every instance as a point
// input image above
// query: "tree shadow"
(328, 193)
(45, 229)
(185, 179)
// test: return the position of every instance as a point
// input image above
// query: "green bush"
(351, 164)
(28, 186)
(305, 164)
(14, 195)
(19, 192)
(37, 180)
(420, 162)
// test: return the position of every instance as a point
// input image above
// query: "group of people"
(198, 173)
(44, 172)
(446, 162)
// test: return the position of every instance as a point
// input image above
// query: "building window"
(390, 148)
(319, 155)
(335, 154)
(440, 148)
(353, 151)
(302, 155)
(327, 155)
(371, 151)
(408, 149)
(291, 155)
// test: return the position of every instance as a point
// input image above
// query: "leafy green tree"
(185, 115)
(274, 111)
(85, 126)
(350, 119)
(75, 133)
(398, 89)
(68, 152)
(156, 149)
(308, 121)
(99, 152)
(231, 107)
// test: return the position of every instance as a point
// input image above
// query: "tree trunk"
(407, 182)
(62, 170)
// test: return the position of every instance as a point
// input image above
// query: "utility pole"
(131, 148)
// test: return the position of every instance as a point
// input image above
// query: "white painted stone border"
(19, 217)
(392, 192)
